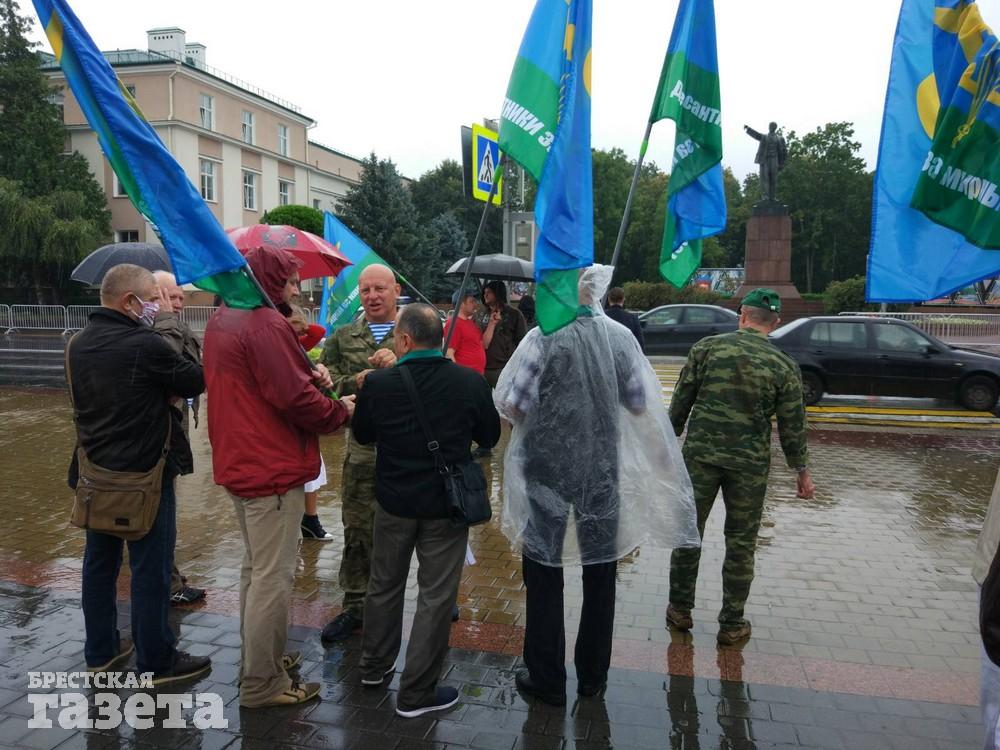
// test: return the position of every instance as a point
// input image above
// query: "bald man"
(183, 341)
(350, 354)
(121, 377)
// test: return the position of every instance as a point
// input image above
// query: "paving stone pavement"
(640, 709)
(863, 608)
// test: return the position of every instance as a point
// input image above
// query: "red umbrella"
(318, 256)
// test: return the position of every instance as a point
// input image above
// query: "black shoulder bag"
(464, 483)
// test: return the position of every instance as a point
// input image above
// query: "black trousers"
(545, 633)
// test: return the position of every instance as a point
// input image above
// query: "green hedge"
(645, 295)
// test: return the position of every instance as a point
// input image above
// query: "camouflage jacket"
(345, 354)
(729, 389)
(182, 340)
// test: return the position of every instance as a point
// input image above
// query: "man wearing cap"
(730, 388)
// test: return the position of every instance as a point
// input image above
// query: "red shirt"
(468, 344)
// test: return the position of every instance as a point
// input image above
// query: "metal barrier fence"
(197, 316)
(947, 326)
(37, 318)
(77, 316)
(74, 317)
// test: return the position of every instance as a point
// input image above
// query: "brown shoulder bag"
(120, 503)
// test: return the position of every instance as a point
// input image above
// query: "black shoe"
(187, 595)
(446, 697)
(590, 689)
(454, 613)
(370, 682)
(125, 650)
(340, 627)
(524, 683)
(185, 667)
(313, 529)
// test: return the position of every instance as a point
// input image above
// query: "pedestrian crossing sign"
(485, 158)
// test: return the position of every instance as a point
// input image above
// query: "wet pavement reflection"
(863, 593)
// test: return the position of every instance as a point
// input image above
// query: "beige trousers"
(270, 527)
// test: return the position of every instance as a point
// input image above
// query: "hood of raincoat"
(593, 468)
(273, 266)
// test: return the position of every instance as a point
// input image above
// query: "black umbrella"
(92, 268)
(496, 266)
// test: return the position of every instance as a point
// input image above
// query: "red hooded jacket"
(264, 413)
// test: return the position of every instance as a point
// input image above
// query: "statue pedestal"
(768, 260)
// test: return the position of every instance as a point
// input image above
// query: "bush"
(305, 218)
(849, 296)
(846, 296)
(645, 295)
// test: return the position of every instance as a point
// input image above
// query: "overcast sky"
(400, 77)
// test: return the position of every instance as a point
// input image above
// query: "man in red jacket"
(264, 415)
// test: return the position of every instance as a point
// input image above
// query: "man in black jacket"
(412, 510)
(617, 312)
(123, 375)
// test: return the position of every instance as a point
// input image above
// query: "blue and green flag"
(340, 293)
(688, 94)
(958, 185)
(545, 126)
(935, 204)
(199, 250)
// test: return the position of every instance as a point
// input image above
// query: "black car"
(865, 356)
(673, 329)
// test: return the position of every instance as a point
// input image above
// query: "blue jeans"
(149, 560)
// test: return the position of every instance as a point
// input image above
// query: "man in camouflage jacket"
(350, 353)
(727, 393)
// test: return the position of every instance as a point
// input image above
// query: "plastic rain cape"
(593, 468)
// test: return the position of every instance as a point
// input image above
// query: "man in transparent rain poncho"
(592, 471)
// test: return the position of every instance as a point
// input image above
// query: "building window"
(247, 132)
(316, 203)
(207, 111)
(116, 187)
(284, 193)
(208, 180)
(249, 190)
(128, 235)
(283, 140)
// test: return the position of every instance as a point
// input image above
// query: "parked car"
(673, 329)
(864, 356)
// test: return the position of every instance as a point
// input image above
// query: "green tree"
(733, 238)
(444, 243)
(380, 210)
(42, 235)
(640, 258)
(48, 185)
(612, 178)
(442, 190)
(306, 218)
(828, 193)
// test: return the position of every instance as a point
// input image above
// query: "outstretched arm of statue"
(753, 133)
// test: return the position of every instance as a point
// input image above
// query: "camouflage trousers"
(358, 514)
(743, 495)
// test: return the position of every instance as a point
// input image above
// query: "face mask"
(149, 310)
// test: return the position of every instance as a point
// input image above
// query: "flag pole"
(631, 194)
(475, 248)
